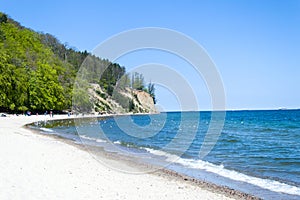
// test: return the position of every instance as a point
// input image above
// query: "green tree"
(151, 91)
(137, 81)
(81, 101)
(3, 18)
(45, 91)
(124, 81)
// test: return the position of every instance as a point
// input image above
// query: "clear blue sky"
(254, 44)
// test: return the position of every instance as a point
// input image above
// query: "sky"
(255, 45)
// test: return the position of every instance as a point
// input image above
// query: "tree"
(124, 81)
(31, 75)
(46, 93)
(137, 81)
(151, 91)
(3, 18)
(81, 101)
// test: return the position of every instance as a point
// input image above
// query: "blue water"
(257, 151)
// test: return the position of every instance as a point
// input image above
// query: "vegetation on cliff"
(38, 72)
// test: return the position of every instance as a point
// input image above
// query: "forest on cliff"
(37, 71)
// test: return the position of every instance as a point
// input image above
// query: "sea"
(256, 152)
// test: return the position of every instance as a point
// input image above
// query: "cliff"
(124, 100)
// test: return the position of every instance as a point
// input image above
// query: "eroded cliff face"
(124, 100)
(145, 101)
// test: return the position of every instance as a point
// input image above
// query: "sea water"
(257, 152)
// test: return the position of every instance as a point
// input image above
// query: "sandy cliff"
(125, 100)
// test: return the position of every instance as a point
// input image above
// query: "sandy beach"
(34, 166)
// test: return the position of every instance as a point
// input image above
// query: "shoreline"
(183, 184)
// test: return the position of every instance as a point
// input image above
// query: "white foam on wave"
(117, 142)
(87, 137)
(47, 130)
(91, 139)
(268, 184)
(100, 140)
(169, 157)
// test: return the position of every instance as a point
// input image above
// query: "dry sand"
(34, 166)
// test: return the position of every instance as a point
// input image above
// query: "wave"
(127, 144)
(99, 140)
(117, 142)
(47, 130)
(91, 139)
(268, 184)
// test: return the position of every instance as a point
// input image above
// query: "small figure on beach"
(51, 113)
